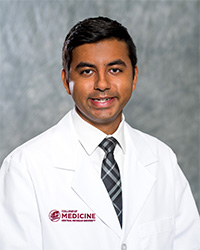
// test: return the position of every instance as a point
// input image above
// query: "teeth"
(102, 100)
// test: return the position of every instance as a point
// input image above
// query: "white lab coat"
(51, 198)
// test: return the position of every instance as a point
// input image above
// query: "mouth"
(104, 102)
(102, 99)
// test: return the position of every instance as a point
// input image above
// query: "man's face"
(101, 82)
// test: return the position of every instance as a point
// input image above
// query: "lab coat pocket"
(157, 235)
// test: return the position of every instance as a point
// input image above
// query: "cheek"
(82, 88)
(125, 87)
(80, 92)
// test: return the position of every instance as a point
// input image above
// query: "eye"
(115, 70)
(86, 72)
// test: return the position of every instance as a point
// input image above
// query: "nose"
(102, 83)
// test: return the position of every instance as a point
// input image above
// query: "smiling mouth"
(102, 99)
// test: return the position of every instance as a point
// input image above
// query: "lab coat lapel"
(90, 188)
(138, 180)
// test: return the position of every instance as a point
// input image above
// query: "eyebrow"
(117, 62)
(89, 65)
(85, 64)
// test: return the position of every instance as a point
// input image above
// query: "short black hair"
(93, 30)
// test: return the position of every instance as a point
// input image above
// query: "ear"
(135, 78)
(65, 81)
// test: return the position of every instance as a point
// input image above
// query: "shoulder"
(43, 146)
(145, 142)
(142, 136)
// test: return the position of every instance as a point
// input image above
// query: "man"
(92, 182)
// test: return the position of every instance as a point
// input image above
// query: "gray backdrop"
(166, 101)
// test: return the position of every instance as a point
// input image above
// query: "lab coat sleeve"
(20, 221)
(187, 223)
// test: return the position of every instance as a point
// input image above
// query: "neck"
(108, 127)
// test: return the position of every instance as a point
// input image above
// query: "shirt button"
(123, 247)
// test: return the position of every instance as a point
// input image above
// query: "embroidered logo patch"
(54, 215)
(71, 216)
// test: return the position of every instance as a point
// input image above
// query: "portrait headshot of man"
(92, 181)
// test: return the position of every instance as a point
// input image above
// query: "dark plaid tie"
(111, 176)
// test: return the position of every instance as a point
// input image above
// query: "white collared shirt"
(90, 137)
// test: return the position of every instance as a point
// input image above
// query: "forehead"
(101, 52)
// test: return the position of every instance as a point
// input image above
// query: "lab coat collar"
(63, 144)
(141, 145)
(65, 137)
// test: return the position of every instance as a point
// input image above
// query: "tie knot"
(108, 144)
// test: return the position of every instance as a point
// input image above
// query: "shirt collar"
(92, 137)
